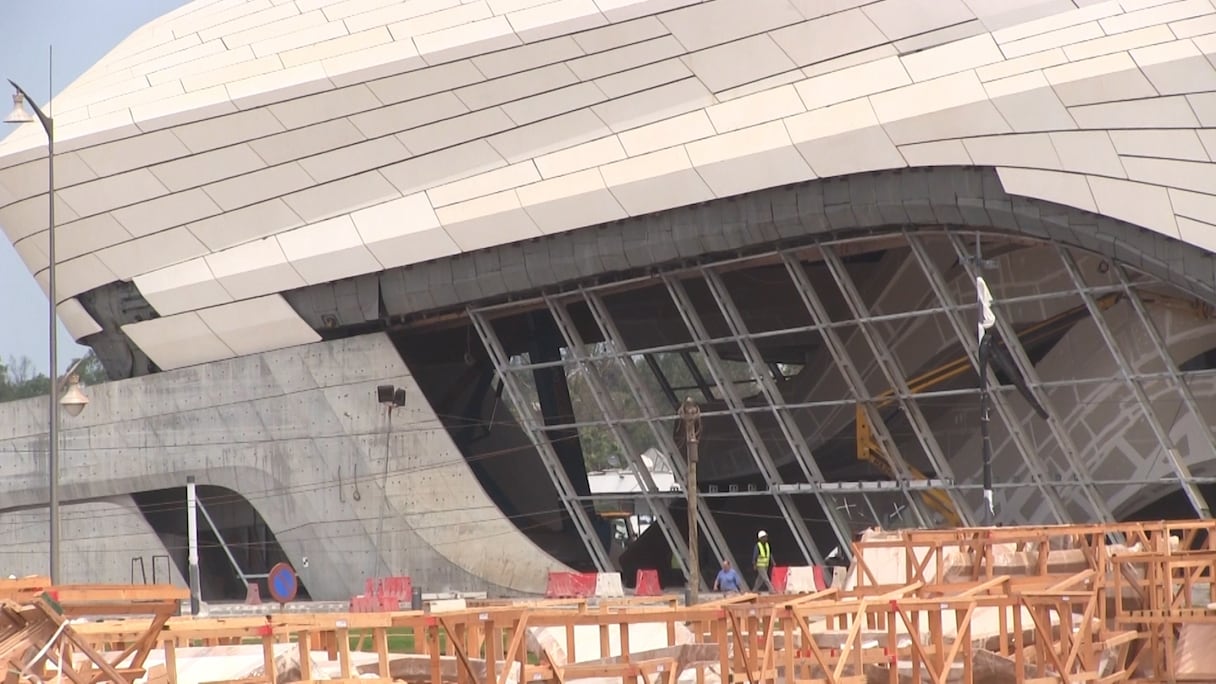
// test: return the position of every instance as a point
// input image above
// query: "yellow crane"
(870, 450)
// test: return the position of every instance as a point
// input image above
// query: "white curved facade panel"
(232, 150)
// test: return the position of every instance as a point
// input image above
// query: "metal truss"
(895, 375)
(710, 371)
(1179, 467)
(682, 348)
(1031, 375)
(526, 415)
(789, 428)
(652, 413)
(664, 383)
(1184, 390)
(852, 402)
(1024, 445)
(747, 428)
(610, 413)
(819, 314)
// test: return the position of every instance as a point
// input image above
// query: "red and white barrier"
(570, 585)
(608, 584)
(383, 594)
(778, 576)
(584, 585)
(647, 583)
(804, 579)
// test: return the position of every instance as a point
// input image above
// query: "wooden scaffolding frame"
(1111, 613)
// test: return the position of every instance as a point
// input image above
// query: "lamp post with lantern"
(67, 394)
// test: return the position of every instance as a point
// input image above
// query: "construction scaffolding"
(1115, 603)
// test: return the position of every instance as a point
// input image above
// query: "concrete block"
(1089, 152)
(608, 584)
(1101, 79)
(445, 606)
(703, 25)
(1137, 203)
(830, 36)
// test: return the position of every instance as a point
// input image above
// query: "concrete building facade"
(550, 220)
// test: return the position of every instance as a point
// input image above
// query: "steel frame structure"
(659, 418)
(814, 306)
(653, 419)
(1198, 502)
(971, 347)
(789, 428)
(893, 372)
(1031, 375)
(608, 409)
(527, 417)
(747, 427)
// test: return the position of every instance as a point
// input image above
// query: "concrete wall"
(99, 539)
(296, 432)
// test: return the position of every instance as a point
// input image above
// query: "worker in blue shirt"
(728, 580)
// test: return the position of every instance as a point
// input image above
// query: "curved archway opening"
(236, 546)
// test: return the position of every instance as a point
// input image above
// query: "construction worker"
(762, 560)
(728, 580)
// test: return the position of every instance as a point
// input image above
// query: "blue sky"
(81, 31)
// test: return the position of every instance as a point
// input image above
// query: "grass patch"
(400, 640)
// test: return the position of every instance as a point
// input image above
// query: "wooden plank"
(343, 636)
(380, 643)
(304, 647)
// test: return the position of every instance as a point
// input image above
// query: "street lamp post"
(19, 115)
(690, 414)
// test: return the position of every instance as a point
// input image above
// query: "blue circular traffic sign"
(283, 583)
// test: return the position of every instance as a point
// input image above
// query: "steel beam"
(1031, 375)
(527, 417)
(747, 428)
(1175, 375)
(611, 413)
(1198, 502)
(659, 376)
(650, 409)
(893, 371)
(816, 328)
(772, 395)
(967, 339)
(697, 377)
(852, 377)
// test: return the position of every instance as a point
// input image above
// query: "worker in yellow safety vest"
(762, 560)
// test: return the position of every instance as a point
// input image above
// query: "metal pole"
(192, 535)
(987, 319)
(379, 553)
(691, 415)
(985, 438)
(52, 449)
(53, 396)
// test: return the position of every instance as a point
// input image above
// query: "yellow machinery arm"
(871, 451)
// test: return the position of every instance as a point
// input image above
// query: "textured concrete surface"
(276, 427)
(100, 538)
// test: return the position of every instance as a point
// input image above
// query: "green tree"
(90, 370)
(20, 380)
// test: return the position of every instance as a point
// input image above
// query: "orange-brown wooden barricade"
(1038, 604)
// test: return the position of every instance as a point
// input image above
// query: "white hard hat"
(762, 534)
